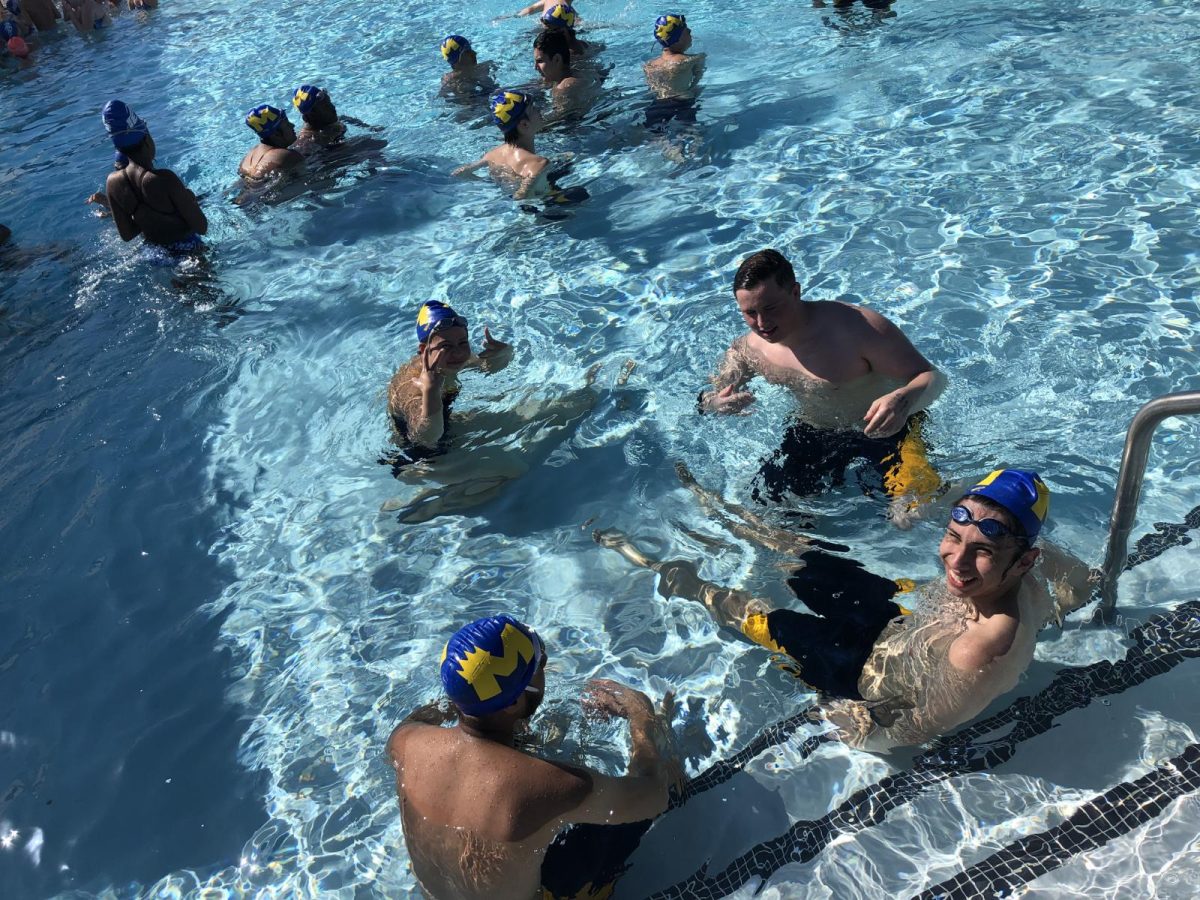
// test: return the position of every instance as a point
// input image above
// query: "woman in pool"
(144, 200)
(895, 677)
(423, 389)
(87, 15)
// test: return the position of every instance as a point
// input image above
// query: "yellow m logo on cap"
(480, 669)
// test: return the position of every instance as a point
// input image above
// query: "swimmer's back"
(149, 199)
(478, 816)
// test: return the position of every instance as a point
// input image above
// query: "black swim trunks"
(585, 861)
(660, 113)
(812, 460)
(852, 608)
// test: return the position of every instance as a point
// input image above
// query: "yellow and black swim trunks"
(812, 460)
(850, 608)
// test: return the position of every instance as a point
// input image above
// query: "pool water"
(211, 613)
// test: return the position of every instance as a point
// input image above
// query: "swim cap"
(17, 46)
(9, 29)
(306, 97)
(487, 664)
(125, 127)
(265, 120)
(507, 108)
(668, 29)
(1022, 493)
(430, 317)
(453, 47)
(560, 16)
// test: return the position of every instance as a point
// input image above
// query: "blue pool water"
(208, 621)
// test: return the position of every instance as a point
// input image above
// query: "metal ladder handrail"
(1129, 487)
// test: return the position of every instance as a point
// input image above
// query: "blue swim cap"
(507, 108)
(561, 16)
(669, 29)
(433, 316)
(1022, 493)
(9, 29)
(124, 126)
(306, 97)
(487, 664)
(453, 47)
(264, 120)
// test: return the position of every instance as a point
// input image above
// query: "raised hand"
(430, 378)
(495, 354)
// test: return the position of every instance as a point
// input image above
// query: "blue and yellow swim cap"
(487, 664)
(669, 29)
(125, 127)
(453, 47)
(434, 316)
(1022, 493)
(561, 16)
(507, 108)
(306, 97)
(265, 120)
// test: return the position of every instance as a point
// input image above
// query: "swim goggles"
(991, 528)
(455, 321)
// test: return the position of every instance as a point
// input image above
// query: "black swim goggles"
(991, 528)
(454, 321)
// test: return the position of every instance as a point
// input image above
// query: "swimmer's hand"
(468, 169)
(605, 699)
(727, 401)
(495, 354)
(100, 199)
(430, 379)
(887, 414)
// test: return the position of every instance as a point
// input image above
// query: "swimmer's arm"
(889, 352)
(733, 374)
(469, 168)
(495, 355)
(184, 201)
(1070, 580)
(126, 227)
(529, 10)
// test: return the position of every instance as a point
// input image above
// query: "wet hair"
(554, 42)
(758, 267)
(514, 134)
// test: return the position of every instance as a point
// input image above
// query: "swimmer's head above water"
(272, 126)
(444, 333)
(768, 295)
(458, 52)
(561, 16)
(514, 114)
(552, 55)
(672, 32)
(314, 105)
(495, 665)
(129, 134)
(987, 547)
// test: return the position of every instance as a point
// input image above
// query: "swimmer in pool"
(859, 383)
(894, 677)
(87, 15)
(571, 90)
(322, 126)
(515, 162)
(481, 817)
(144, 200)
(673, 74)
(468, 77)
(562, 17)
(422, 391)
(272, 154)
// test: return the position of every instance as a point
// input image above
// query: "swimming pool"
(208, 625)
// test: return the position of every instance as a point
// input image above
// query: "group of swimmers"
(562, 60)
(22, 20)
(893, 664)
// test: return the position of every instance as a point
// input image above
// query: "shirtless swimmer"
(860, 383)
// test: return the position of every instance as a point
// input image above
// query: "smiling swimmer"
(422, 391)
(272, 153)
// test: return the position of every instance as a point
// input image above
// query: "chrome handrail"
(1129, 487)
